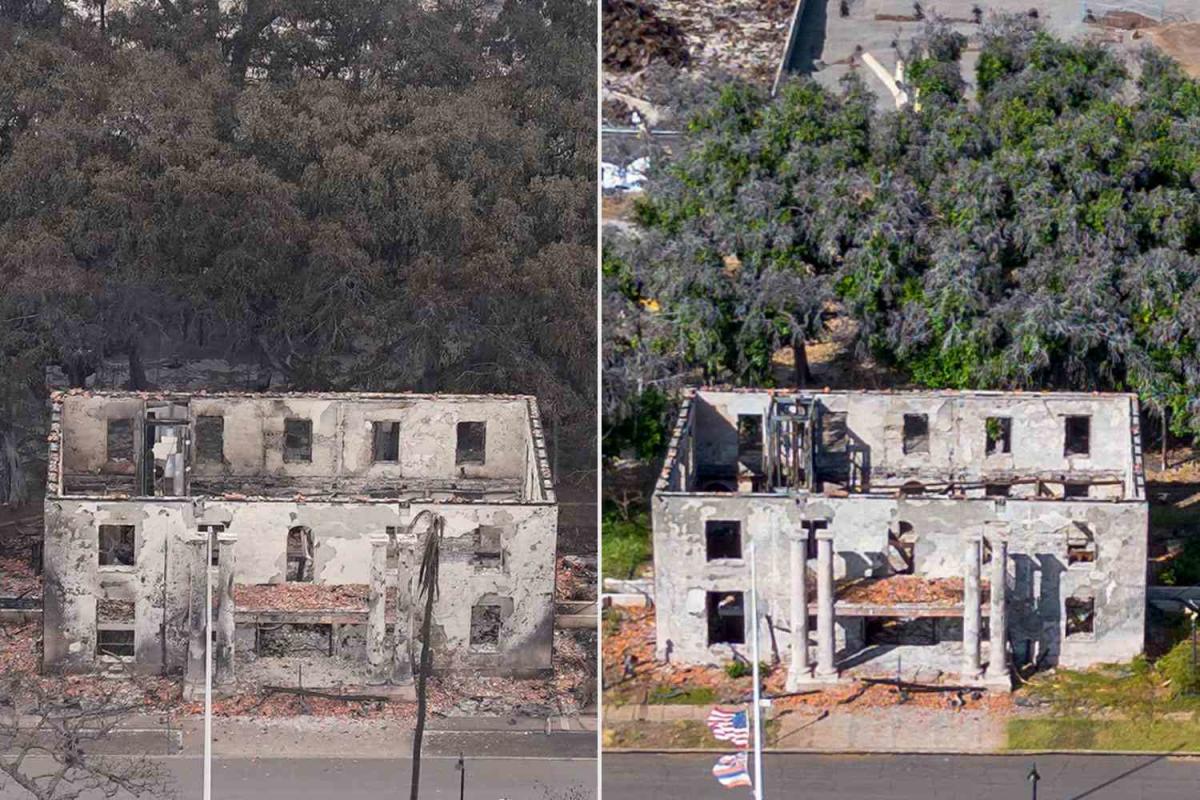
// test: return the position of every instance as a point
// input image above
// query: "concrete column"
(800, 667)
(223, 654)
(402, 662)
(376, 605)
(197, 597)
(997, 669)
(972, 557)
(825, 644)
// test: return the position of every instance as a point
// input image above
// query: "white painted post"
(755, 719)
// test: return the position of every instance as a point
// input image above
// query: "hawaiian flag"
(731, 771)
(729, 726)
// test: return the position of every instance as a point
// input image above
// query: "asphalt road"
(377, 779)
(817, 777)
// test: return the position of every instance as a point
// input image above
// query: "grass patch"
(689, 734)
(1077, 733)
(625, 544)
(671, 695)
(684, 734)
(1142, 705)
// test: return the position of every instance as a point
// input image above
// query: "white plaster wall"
(1040, 579)
(956, 425)
(341, 555)
(341, 435)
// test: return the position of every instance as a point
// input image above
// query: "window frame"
(711, 608)
(464, 456)
(1068, 420)
(288, 457)
(394, 442)
(100, 550)
(710, 530)
(108, 437)
(197, 450)
(1079, 635)
(481, 647)
(116, 627)
(906, 435)
(1001, 445)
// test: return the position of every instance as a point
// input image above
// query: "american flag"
(731, 771)
(729, 726)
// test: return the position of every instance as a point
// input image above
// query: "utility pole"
(1033, 777)
(462, 777)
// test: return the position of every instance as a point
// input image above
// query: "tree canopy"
(1041, 234)
(366, 195)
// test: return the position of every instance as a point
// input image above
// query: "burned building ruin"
(307, 513)
(932, 534)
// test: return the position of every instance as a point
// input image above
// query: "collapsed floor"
(567, 692)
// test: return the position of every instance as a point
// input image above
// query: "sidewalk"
(340, 738)
(893, 729)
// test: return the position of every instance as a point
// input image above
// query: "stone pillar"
(800, 668)
(402, 661)
(197, 597)
(224, 652)
(825, 645)
(997, 669)
(376, 605)
(972, 556)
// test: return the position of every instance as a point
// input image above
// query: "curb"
(1188, 756)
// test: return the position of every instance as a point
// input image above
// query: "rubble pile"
(743, 37)
(631, 633)
(575, 578)
(899, 589)
(21, 654)
(301, 597)
(746, 37)
(17, 579)
(635, 35)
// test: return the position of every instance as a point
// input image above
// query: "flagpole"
(208, 669)
(757, 788)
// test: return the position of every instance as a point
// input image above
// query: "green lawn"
(1153, 734)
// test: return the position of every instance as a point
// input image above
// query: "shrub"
(625, 544)
(740, 669)
(1177, 667)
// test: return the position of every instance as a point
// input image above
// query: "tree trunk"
(422, 677)
(800, 360)
(137, 371)
(78, 370)
(1165, 412)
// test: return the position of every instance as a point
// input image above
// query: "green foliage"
(740, 669)
(645, 429)
(625, 543)
(1178, 667)
(1047, 236)
(1184, 568)
(672, 695)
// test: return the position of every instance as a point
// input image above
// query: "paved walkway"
(339, 737)
(895, 729)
